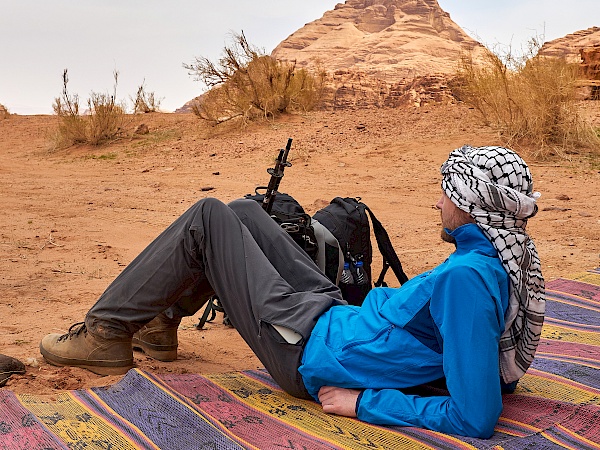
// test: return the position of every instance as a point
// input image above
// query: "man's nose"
(440, 202)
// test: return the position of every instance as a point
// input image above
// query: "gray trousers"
(260, 275)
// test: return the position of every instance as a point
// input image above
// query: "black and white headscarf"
(494, 185)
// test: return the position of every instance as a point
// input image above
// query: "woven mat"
(556, 405)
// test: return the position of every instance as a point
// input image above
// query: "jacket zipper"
(387, 330)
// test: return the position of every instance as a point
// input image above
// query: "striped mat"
(556, 405)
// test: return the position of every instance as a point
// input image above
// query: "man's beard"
(455, 220)
(446, 237)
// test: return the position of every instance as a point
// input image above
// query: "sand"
(72, 219)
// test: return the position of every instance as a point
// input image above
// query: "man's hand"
(338, 401)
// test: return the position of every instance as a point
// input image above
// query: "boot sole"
(97, 367)
(155, 351)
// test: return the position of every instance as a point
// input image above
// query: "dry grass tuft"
(144, 101)
(102, 122)
(531, 99)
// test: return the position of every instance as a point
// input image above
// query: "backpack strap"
(390, 258)
(212, 307)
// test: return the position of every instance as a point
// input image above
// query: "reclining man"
(475, 320)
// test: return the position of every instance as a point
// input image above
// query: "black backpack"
(336, 235)
(346, 218)
(290, 215)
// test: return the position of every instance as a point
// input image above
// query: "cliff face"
(382, 52)
(570, 46)
(583, 48)
(590, 62)
(387, 39)
(390, 53)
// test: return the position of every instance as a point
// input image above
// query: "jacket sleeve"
(464, 306)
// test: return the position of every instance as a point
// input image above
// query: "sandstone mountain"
(392, 39)
(382, 52)
(394, 52)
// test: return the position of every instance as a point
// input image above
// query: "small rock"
(32, 362)
(563, 197)
(216, 173)
(142, 129)
(585, 214)
(207, 188)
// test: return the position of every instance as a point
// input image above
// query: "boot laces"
(75, 330)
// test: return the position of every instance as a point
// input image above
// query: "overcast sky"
(150, 39)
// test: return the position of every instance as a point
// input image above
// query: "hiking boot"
(8, 366)
(158, 338)
(80, 348)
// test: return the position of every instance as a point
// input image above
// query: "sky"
(148, 41)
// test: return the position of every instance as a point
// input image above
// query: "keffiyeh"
(494, 185)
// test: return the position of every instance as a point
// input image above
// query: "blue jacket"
(443, 323)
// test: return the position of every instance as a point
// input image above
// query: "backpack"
(290, 216)
(336, 237)
(346, 218)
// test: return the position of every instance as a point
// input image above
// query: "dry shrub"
(248, 84)
(530, 98)
(71, 126)
(103, 121)
(106, 118)
(144, 101)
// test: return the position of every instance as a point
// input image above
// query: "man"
(473, 321)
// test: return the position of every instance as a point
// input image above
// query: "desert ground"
(72, 219)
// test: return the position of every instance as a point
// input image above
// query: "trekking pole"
(276, 173)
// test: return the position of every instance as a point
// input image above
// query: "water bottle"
(346, 277)
(361, 275)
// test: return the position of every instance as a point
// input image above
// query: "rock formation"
(390, 53)
(569, 46)
(590, 62)
(377, 52)
(590, 70)
(391, 39)
(583, 48)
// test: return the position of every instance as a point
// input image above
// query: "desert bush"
(144, 101)
(71, 126)
(102, 122)
(247, 83)
(530, 98)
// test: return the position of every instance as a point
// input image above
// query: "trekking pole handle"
(276, 175)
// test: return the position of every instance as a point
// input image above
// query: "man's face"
(452, 217)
